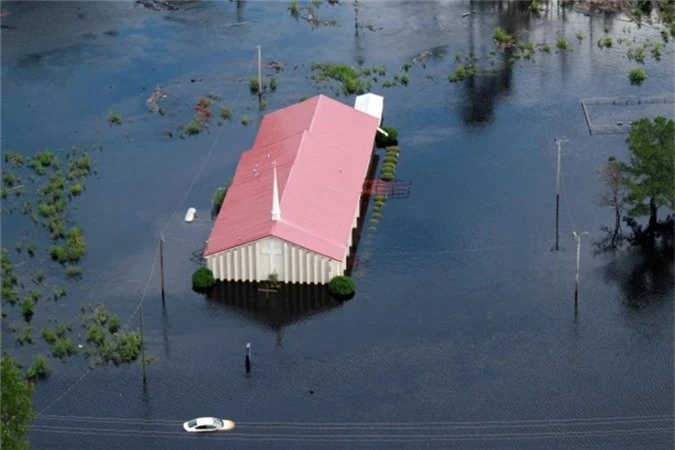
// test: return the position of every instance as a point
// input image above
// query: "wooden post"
(161, 264)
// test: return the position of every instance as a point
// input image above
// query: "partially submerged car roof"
(205, 421)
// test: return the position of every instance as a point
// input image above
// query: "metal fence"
(622, 125)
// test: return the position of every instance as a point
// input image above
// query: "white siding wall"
(293, 264)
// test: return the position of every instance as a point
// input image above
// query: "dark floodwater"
(463, 314)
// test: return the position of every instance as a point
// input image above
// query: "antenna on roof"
(276, 209)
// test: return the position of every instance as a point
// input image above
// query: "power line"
(524, 422)
(236, 436)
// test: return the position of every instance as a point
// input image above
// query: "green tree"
(650, 174)
(17, 406)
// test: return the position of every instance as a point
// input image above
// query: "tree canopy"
(17, 406)
(650, 174)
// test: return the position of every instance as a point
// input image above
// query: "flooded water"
(463, 321)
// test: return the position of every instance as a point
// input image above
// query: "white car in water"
(206, 424)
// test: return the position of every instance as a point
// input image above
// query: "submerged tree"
(17, 406)
(615, 195)
(650, 174)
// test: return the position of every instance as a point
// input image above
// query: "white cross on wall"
(272, 251)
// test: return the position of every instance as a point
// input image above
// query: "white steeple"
(276, 209)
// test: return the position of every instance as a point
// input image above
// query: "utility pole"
(142, 343)
(161, 264)
(260, 85)
(577, 236)
(557, 194)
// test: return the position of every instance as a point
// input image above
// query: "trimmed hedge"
(383, 141)
(387, 176)
(390, 159)
(341, 285)
(202, 279)
(393, 149)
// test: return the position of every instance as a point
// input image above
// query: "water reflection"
(292, 303)
(483, 91)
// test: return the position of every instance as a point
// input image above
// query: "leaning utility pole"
(577, 236)
(142, 342)
(557, 194)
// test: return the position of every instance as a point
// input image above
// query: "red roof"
(322, 149)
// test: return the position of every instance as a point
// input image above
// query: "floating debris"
(277, 66)
(163, 5)
(157, 95)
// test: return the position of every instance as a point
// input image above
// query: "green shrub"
(75, 189)
(580, 35)
(75, 244)
(656, 51)
(389, 167)
(14, 158)
(48, 335)
(376, 215)
(28, 309)
(341, 285)
(404, 79)
(273, 83)
(62, 329)
(58, 253)
(63, 347)
(38, 277)
(113, 323)
(194, 127)
(115, 118)
(387, 176)
(502, 37)
(379, 204)
(58, 292)
(605, 42)
(383, 141)
(202, 279)
(562, 43)
(254, 85)
(347, 75)
(390, 159)
(534, 7)
(73, 271)
(26, 336)
(294, 8)
(546, 48)
(637, 75)
(380, 198)
(225, 112)
(30, 248)
(244, 120)
(406, 66)
(39, 369)
(96, 335)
